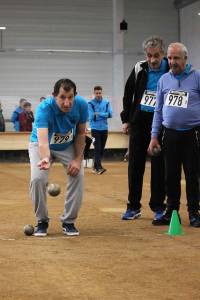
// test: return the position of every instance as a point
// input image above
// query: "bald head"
(178, 47)
(177, 57)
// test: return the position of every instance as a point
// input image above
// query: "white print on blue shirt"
(177, 99)
(62, 138)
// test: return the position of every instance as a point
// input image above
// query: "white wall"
(146, 18)
(72, 25)
(190, 31)
(77, 26)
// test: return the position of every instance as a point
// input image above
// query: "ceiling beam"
(182, 3)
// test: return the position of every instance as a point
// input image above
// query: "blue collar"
(98, 101)
(56, 108)
(186, 71)
(163, 66)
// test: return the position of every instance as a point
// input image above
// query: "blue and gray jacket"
(103, 109)
(177, 117)
(15, 117)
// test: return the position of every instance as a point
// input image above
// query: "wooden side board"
(11, 140)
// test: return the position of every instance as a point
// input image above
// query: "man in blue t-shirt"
(58, 133)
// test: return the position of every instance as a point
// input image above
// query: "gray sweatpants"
(39, 182)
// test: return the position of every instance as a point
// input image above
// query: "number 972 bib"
(177, 99)
(58, 138)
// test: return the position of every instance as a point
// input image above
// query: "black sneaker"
(101, 171)
(194, 219)
(70, 229)
(157, 217)
(41, 229)
(166, 218)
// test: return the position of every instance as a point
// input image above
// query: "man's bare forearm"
(43, 143)
(44, 150)
(79, 145)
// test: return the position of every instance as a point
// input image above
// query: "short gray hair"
(153, 42)
(181, 46)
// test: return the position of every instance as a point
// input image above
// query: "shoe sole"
(101, 172)
(157, 223)
(40, 234)
(71, 233)
(162, 222)
(137, 216)
(195, 225)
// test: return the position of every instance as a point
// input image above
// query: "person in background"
(88, 140)
(99, 111)
(26, 118)
(15, 114)
(2, 120)
(88, 143)
(42, 98)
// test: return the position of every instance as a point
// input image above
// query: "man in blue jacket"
(99, 111)
(137, 115)
(178, 110)
(58, 133)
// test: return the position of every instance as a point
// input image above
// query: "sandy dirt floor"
(111, 259)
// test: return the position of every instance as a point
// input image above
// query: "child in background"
(2, 121)
(26, 118)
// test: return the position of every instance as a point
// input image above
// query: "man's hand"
(44, 164)
(74, 167)
(153, 144)
(125, 128)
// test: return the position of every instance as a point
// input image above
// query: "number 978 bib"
(177, 99)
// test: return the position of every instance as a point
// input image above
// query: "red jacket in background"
(25, 121)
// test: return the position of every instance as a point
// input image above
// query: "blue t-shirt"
(61, 126)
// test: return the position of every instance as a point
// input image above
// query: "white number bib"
(149, 99)
(177, 99)
(60, 138)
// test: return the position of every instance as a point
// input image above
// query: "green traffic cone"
(175, 226)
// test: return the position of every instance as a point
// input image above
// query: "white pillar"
(118, 63)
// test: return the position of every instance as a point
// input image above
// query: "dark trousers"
(100, 138)
(138, 144)
(181, 149)
(88, 142)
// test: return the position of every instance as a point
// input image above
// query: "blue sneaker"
(41, 229)
(157, 217)
(131, 214)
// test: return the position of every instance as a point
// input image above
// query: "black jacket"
(133, 92)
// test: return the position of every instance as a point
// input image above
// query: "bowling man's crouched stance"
(58, 133)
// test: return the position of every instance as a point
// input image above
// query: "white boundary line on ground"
(69, 237)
